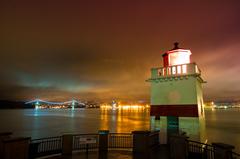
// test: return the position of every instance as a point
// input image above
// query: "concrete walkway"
(161, 152)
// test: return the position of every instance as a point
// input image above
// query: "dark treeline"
(5, 104)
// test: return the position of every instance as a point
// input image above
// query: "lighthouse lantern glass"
(178, 57)
(179, 69)
(174, 70)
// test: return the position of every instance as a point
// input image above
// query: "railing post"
(154, 138)
(67, 144)
(141, 141)
(222, 151)
(16, 148)
(178, 146)
(103, 140)
(5, 135)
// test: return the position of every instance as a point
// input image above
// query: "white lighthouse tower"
(176, 89)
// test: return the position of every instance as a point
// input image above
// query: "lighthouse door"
(172, 125)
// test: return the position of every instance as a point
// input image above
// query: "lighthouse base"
(167, 125)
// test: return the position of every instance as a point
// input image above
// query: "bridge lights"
(36, 105)
(73, 104)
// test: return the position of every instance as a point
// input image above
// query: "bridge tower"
(37, 103)
(73, 104)
(176, 90)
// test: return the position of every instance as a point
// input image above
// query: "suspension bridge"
(39, 102)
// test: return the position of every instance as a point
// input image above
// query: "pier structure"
(177, 94)
(104, 144)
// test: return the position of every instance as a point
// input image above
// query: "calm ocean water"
(222, 125)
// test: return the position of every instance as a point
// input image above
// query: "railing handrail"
(120, 133)
(46, 138)
(84, 134)
(200, 143)
(156, 68)
(236, 154)
(152, 133)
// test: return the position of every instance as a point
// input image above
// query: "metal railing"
(54, 145)
(154, 139)
(235, 155)
(175, 70)
(120, 140)
(204, 151)
(200, 150)
(85, 141)
(45, 146)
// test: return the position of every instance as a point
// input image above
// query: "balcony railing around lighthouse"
(176, 70)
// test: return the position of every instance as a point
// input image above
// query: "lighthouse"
(176, 91)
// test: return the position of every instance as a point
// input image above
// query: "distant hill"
(5, 104)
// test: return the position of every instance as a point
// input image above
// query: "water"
(221, 125)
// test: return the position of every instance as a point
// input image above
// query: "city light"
(124, 106)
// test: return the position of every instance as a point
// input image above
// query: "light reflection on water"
(220, 125)
(124, 120)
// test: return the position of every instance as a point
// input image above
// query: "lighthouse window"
(179, 69)
(179, 57)
(174, 70)
(184, 68)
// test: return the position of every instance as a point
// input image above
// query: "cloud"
(105, 50)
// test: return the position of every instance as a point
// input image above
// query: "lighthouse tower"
(176, 88)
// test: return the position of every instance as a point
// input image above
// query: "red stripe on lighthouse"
(188, 110)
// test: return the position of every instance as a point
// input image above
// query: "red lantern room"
(176, 56)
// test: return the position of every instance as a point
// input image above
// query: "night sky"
(104, 50)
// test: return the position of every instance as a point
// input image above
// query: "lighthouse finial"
(176, 46)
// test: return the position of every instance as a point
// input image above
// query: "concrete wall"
(174, 91)
(199, 90)
(16, 148)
